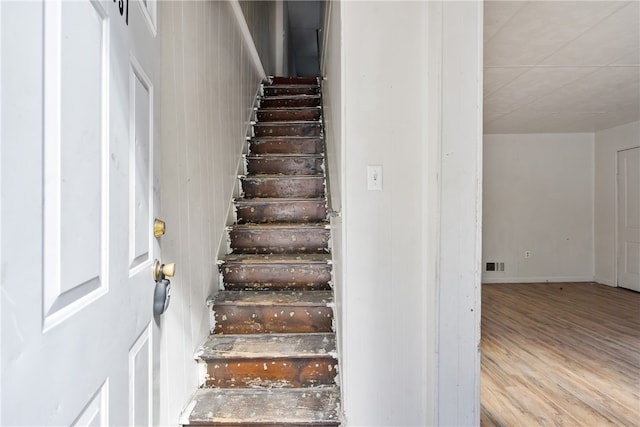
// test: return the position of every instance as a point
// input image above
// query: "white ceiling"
(559, 66)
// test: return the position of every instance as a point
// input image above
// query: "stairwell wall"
(384, 292)
(261, 17)
(411, 102)
(210, 76)
(331, 70)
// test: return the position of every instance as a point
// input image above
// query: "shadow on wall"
(303, 24)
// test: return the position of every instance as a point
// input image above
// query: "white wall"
(384, 368)
(607, 143)
(261, 18)
(538, 197)
(411, 99)
(209, 82)
(331, 60)
(456, 60)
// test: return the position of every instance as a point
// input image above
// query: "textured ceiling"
(558, 66)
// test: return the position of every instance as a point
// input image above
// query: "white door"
(628, 254)
(78, 135)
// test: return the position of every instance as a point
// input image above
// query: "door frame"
(616, 247)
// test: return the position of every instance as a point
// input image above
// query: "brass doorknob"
(163, 270)
(158, 228)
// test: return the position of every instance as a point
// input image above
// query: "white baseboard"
(559, 279)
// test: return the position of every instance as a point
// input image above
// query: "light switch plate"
(374, 177)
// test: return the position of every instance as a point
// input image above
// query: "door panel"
(96, 413)
(75, 204)
(141, 380)
(141, 173)
(79, 196)
(628, 263)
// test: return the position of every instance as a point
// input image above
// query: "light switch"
(374, 177)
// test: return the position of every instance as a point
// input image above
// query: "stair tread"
(293, 85)
(278, 109)
(250, 200)
(289, 96)
(276, 259)
(288, 123)
(285, 155)
(263, 200)
(307, 406)
(271, 298)
(267, 346)
(287, 137)
(280, 226)
(281, 176)
(283, 80)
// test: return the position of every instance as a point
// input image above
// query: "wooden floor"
(562, 354)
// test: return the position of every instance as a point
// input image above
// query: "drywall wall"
(538, 197)
(384, 58)
(456, 31)
(261, 17)
(410, 359)
(209, 81)
(333, 128)
(607, 143)
(411, 102)
(332, 92)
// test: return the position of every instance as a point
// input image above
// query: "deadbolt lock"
(158, 228)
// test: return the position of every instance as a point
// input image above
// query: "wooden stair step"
(280, 238)
(290, 89)
(276, 272)
(280, 186)
(267, 346)
(268, 299)
(263, 312)
(286, 156)
(286, 145)
(263, 407)
(288, 164)
(291, 210)
(269, 360)
(290, 101)
(251, 259)
(290, 128)
(279, 80)
(289, 114)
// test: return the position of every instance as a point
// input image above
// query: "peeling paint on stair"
(271, 358)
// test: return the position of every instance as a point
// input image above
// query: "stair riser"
(271, 373)
(298, 212)
(292, 81)
(234, 319)
(310, 101)
(283, 115)
(277, 277)
(287, 166)
(283, 187)
(287, 129)
(291, 90)
(260, 424)
(286, 146)
(277, 241)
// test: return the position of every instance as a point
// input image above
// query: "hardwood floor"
(562, 354)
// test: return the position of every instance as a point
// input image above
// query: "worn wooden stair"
(271, 358)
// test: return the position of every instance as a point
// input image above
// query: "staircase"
(271, 357)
